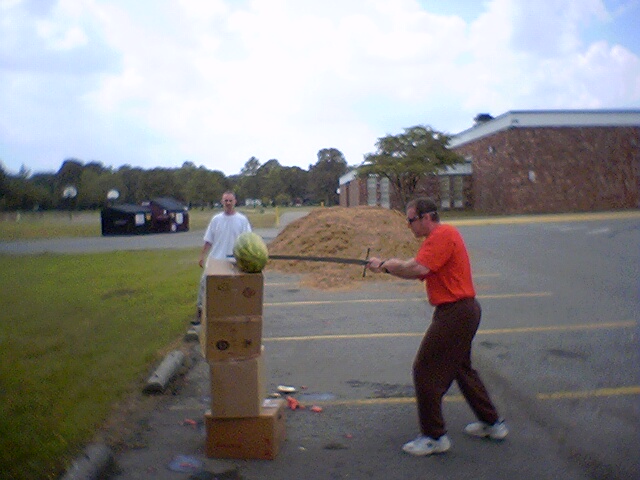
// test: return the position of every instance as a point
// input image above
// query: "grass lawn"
(79, 332)
(30, 225)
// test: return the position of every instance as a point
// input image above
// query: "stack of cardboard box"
(242, 423)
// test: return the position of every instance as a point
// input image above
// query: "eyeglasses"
(418, 217)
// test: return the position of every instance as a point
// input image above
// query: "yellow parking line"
(341, 337)
(396, 300)
(552, 218)
(600, 392)
(493, 331)
(555, 328)
(384, 401)
(516, 295)
(336, 302)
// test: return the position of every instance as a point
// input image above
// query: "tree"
(282, 199)
(18, 193)
(160, 182)
(91, 195)
(407, 158)
(4, 181)
(24, 172)
(248, 183)
(250, 167)
(295, 181)
(131, 181)
(183, 177)
(324, 176)
(70, 174)
(46, 184)
(205, 187)
(270, 180)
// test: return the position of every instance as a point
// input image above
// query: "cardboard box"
(221, 267)
(231, 338)
(259, 437)
(230, 292)
(238, 387)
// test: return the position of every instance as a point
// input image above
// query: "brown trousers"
(444, 356)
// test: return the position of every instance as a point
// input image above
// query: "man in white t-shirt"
(219, 238)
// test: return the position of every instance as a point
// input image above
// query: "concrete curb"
(94, 462)
(159, 380)
(192, 334)
(97, 459)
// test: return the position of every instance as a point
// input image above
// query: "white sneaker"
(423, 445)
(497, 431)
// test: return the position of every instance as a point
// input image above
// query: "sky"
(155, 83)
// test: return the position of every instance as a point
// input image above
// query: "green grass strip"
(78, 332)
(30, 225)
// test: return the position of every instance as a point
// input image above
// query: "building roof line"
(549, 119)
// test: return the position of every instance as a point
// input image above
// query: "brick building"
(554, 161)
(451, 188)
(531, 162)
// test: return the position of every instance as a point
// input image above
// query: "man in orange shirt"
(442, 262)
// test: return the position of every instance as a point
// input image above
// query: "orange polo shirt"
(444, 253)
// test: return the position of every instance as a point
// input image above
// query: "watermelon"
(250, 252)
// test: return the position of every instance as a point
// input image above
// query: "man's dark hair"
(424, 206)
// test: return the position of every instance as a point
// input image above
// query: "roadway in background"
(158, 241)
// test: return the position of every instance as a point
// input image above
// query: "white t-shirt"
(222, 232)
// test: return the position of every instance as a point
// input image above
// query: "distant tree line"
(269, 183)
(405, 159)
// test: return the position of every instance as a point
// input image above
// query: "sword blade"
(303, 258)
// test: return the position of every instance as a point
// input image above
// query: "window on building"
(385, 200)
(458, 191)
(372, 191)
(445, 191)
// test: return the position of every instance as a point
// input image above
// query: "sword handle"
(364, 270)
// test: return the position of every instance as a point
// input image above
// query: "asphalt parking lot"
(557, 349)
(342, 353)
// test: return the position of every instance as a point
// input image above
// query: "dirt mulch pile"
(342, 232)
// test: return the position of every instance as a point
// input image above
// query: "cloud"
(554, 28)
(155, 83)
(515, 67)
